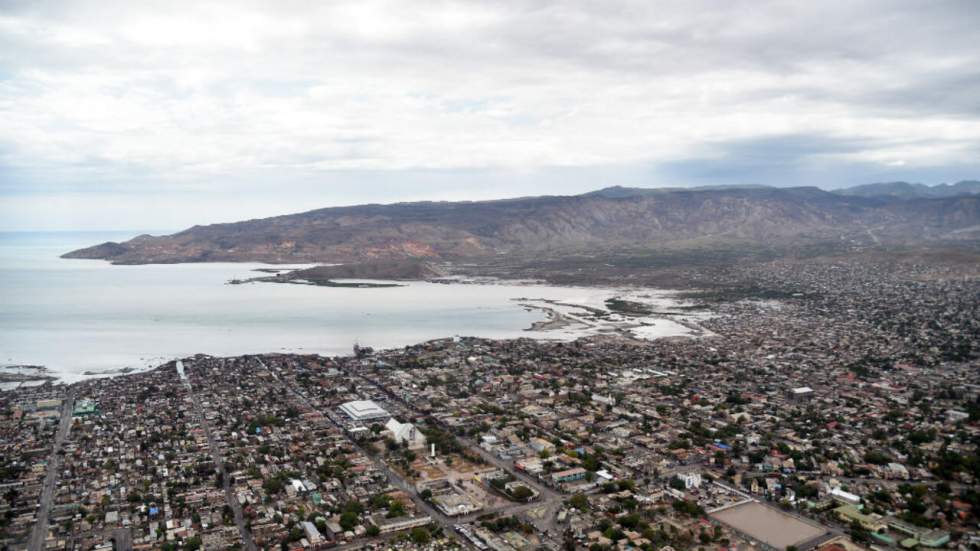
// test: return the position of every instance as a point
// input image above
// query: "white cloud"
(101, 96)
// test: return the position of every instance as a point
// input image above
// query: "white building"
(312, 534)
(608, 400)
(691, 480)
(364, 410)
(845, 497)
(954, 416)
(406, 433)
(801, 393)
(539, 445)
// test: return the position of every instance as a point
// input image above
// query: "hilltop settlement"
(831, 405)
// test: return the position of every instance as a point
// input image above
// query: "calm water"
(74, 316)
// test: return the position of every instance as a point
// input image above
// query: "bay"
(76, 317)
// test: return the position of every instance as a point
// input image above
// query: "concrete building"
(387, 525)
(406, 433)
(845, 497)
(801, 393)
(691, 480)
(569, 475)
(364, 411)
(541, 445)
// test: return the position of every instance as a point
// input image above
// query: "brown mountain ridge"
(605, 220)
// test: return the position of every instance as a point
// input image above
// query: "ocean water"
(82, 316)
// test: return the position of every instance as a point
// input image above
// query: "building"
(312, 534)
(691, 480)
(605, 400)
(455, 504)
(406, 433)
(850, 513)
(541, 445)
(569, 475)
(387, 525)
(845, 497)
(85, 407)
(48, 404)
(364, 411)
(530, 465)
(801, 393)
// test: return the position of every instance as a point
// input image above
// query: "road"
(123, 538)
(549, 498)
(219, 464)
(40, 531)
(393, 478)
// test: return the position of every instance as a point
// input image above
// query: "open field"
(768, 525)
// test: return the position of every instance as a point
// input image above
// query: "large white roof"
(363, 409)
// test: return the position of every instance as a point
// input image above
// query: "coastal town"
(831, 406)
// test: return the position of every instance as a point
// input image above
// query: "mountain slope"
(905, 190)
(611, 219)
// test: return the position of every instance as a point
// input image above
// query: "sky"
(117, 115)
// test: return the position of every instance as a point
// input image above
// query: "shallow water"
(78, 316)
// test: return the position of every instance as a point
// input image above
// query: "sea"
(84, 318)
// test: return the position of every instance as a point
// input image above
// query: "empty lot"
(768, 525)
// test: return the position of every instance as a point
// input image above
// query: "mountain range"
(905, 190)
(607, 220)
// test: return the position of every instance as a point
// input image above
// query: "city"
(843, 415)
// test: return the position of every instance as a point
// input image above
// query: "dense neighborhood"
(834, 407)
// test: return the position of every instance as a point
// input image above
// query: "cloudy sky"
(162, 115)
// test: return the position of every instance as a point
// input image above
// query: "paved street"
(40, 531)
(549, 498)
(393, 478)
(219, 464)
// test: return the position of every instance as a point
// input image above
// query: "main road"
(551, 500)
(219, 463)
(40, 531)
(393, 478)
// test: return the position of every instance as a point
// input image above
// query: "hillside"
(605, 220)
(391, 270)
(905, 190)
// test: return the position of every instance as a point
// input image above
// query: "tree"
(381, 501)
(396, 509)
(522, 493)
(420, 535)
(348, 520)
(272, 485)
(579, 501)
(373, 531)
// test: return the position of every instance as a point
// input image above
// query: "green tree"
(579, 501)
(348, 520)
(396, 509)
(420, 535)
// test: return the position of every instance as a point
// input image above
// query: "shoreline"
(577, 322)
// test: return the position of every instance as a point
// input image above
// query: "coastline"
(583, 313)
